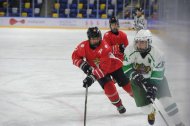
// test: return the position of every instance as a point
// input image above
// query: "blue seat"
(73, 6)
(73, 11)
(85, 15)
(102, 2)
(62, 15)
(73, 15)
(102, 12)
(92, 16)
(61, 10)
(92, 6)
(83, 1)
(2, 9)
(119, 7)
(63, 1)
(120, 1)
(85, 6)
(83, 11)
(63, 6)
(30, 15)
(29, 10)
(110, 6)
(37, 15)
(94, 12)
(146, 12)
(74, 2)
(109, 16)
(54, 10)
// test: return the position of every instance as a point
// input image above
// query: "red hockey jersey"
(113, 39)
(101, 59)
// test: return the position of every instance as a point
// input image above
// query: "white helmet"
(143, 35)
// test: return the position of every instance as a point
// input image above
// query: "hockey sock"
(171, 109)
(147, 109)
(128, 89)
(112, 94)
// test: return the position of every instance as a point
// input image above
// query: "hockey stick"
(155, 106)
(85, 108)
(86, 97)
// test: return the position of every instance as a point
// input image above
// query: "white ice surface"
(39, 85)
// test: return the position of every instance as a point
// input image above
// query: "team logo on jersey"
(141, 68)
(96, 61)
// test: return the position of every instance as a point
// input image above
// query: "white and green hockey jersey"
(139, 23)
(151, 66)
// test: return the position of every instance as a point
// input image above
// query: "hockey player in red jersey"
(116, 38)
(94, 56)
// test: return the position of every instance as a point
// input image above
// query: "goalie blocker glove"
(89, 80)
(86, 68)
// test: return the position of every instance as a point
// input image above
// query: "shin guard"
(111, 92)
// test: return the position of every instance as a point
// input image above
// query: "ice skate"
(121, 109)
(151, 117)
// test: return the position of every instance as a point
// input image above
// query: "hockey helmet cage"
(113, 20)
(93, 32)
(143, 35)
(140, 10)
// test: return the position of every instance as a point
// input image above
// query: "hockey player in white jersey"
(139, 20)
(145, 65)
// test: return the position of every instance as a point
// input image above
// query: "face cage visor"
(142, 50)
(94, 42)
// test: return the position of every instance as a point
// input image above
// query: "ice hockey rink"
(39, 85)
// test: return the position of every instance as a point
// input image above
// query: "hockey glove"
(86, 68)
(138, 79)
(88, 81)
(151, 92)
(122, 48)
(118, 48)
